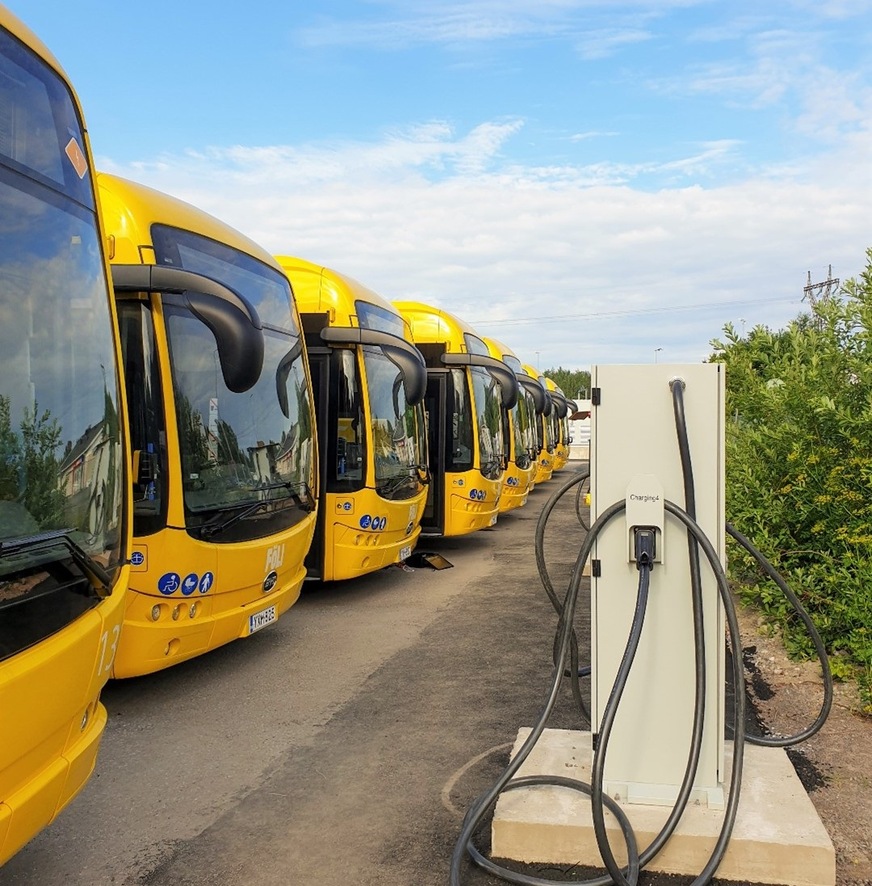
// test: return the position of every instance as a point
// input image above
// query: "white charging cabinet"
(634, 447)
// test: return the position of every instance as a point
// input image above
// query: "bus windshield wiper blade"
(392, 484)
(243, 509)
(45, 540)
(496, 462)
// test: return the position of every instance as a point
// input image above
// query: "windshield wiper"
(244, 509)
(490, 464)
(46, 540)
(392, 484)
(301, 494)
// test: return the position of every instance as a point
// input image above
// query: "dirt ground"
(836, 764)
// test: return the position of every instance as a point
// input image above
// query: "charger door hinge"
(594, 741)
(596, 568)
(595, 396)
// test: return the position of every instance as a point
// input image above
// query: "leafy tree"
(799, 469)
(570, 381)
(10, 454)
(40, 439)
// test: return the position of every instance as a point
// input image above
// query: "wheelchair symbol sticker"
(169, 583)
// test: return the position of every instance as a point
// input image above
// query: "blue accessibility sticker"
(206, 582)
(189, 585)
(365, 520)
(137, 558)
(169, 583)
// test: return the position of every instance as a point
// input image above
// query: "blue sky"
(591, 180)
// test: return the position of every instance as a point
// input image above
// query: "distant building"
(579, 431)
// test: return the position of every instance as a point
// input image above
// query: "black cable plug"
(645, 543)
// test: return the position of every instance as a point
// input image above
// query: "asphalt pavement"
(340, 746)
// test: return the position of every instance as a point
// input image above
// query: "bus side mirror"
(233, 320)
(240, 342)
(283, 372)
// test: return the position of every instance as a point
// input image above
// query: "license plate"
(258, 620)
(405, 553)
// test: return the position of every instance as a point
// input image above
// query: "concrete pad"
(778, 836)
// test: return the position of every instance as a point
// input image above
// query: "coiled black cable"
(774, 741)
(689, 487)
(486, 800)
(566, 644)
(574, 672)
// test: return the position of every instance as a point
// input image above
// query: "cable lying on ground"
(566, 665)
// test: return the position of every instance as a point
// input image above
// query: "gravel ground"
(836, 764)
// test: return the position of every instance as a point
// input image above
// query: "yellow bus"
(369, 381)
(562, 409)
(221, 428)
(544, 431)
(519, 431)
(64, 526)
(466, 390)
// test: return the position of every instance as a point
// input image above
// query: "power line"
(596, 315)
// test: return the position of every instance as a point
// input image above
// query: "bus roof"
(533, 372)
(321, 290)
(431, 325)
(130, 209)
(497, 348)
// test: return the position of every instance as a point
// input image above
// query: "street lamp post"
(656, 352)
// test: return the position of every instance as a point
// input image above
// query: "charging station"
(638, 477)
(634, 456)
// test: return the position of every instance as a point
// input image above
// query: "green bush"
(799, 470)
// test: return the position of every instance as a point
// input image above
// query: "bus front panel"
(63, 533)
(224, 508)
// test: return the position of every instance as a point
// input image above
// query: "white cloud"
(604, 42)
(496, 243)
(396, 25)
(585, 136)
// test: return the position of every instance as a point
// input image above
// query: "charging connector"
(645, 546)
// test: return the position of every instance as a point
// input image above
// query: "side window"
(346, 455)
(462, 450)
(146, 412)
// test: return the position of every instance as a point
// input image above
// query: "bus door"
(436, 416)
(319, 369)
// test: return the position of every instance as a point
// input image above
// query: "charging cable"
(566, 646)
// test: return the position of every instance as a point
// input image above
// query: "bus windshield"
(399, 444)
(245, 463)
(60, 449)
(398, 440)
(488, 409)
(527, 423)
(521, 429)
